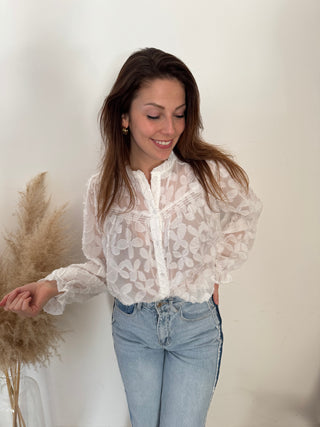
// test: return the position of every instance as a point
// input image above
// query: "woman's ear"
(125, 120)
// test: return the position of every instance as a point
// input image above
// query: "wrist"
(52, 286)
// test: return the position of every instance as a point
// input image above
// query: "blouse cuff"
(56, 305)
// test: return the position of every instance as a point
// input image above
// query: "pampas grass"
(38, 246)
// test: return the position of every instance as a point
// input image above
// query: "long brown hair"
(140, 68)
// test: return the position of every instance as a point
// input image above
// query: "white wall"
(258, 67)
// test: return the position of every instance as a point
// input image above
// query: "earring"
(125, 130)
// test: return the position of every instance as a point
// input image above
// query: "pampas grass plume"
(38, 246)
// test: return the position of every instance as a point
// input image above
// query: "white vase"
(29, 404)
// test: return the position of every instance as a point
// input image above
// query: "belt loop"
(139, 304)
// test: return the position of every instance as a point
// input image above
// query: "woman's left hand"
(216, 293)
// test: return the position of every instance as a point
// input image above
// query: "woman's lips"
(162, 144)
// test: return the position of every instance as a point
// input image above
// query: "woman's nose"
(168, 127)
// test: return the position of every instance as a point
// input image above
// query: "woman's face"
(156, 120)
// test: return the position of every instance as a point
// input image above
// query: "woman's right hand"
(28, 300)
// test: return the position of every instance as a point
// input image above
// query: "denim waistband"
(153, 305)
(159, 303)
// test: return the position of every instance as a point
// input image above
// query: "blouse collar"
(162, 169)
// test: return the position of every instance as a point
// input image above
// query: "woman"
(166, 220)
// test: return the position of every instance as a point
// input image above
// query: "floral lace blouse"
(170, 244)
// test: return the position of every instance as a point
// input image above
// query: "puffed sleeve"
(79, 282)
(239, 215)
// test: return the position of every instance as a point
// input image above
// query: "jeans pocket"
(128, 310)
(195, 311)
(215, 311)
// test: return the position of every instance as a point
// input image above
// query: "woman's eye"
(180, 116)
(153, 117)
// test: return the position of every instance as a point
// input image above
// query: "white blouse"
(170, 244)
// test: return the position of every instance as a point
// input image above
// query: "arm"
(238, 220)
(79, 282)
(76, 282)
(28, 300)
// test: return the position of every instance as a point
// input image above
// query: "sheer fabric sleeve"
(79, 282)
(238, 222)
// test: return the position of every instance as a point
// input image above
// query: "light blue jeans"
(169, 356)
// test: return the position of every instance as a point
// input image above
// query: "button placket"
(156, 233)
(151, 194)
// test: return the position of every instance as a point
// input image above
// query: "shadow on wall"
(279, 410)
(296, 43)
(312, 408)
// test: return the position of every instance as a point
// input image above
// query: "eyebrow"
(161, 107)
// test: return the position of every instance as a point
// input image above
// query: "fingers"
(28, 309)
(216, 294)
(7, 299)
(19, 303)
(15, 300)
(216, 298)
(3, 301)
(23, 300)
